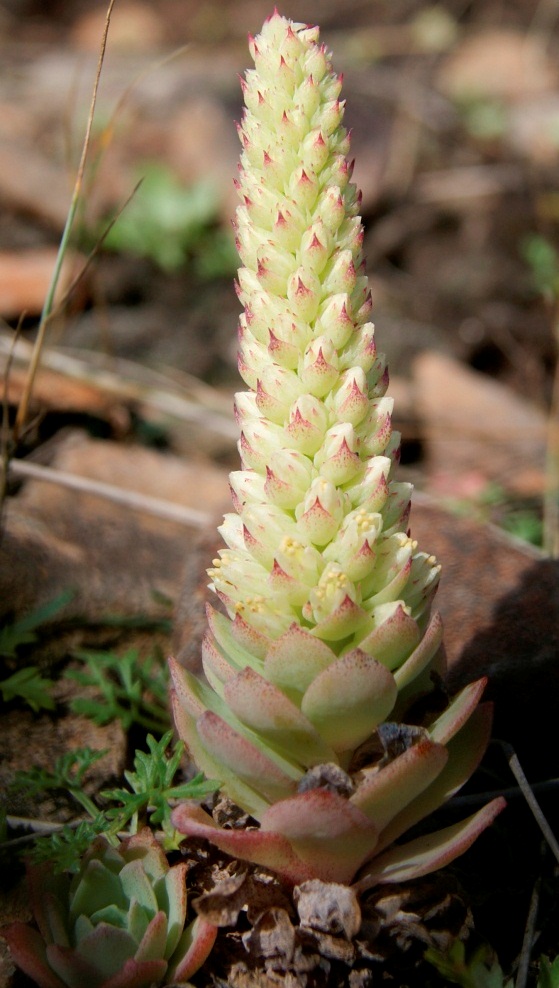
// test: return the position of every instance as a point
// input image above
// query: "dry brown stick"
(139, 502)
(47, 309)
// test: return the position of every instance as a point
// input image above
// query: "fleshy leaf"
(152, 945)
(174, 905)
(326, 832)
(387, 791)
(237, 753)
(394, 638)
(465, 751)
(294, 659)
(28, 951)
(426, 854)
(264, 708)
(457, 712)
(346, 701)
(193, 949)
(267, 849)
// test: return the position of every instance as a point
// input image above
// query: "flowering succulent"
(327, 639)
(118, 923)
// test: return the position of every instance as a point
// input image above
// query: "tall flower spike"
(327, 634)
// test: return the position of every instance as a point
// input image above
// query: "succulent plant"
(327, 637)
(118, 923)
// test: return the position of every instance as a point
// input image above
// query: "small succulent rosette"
(118, 923)
(327, 633)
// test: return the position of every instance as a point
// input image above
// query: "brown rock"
(115, 560)
(471, 422)
(499, 64)
(499, 600)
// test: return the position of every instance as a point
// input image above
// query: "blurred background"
(454, 113)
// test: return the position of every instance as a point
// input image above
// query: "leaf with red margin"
(389, 790)
(430, 853)
(238, 754)
(465, 751)
(325, 831)
(266, 849)
(266, 709)
(195, 945)
(28, 951)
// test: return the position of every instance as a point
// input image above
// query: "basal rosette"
(118, 923)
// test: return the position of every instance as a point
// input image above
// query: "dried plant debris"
(319, 934)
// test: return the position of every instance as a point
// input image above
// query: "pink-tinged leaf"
(296, 658)
(217, 669)
(153, 943)
(346, 701)
(267, 849)
(137, 885)
(186, 689)
(243, 795)
(136, 974)
(343, 621)
(248, 638)
(384, 793)
(73, 969)
(248, 761)
(465, 751)
(264, 708)
(458, 712)
(27, 948)
(426, 854)
(233, 650)
(422, 656)
(175, 904)
(194, 948)
(394, 639)
(105, 950)
(328, 833)
(48, 894)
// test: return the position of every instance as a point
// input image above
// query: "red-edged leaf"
(426, 854)
(465, 751)
(325, 830)
(267, 849)
(238, 754)
(27, 948)
(194, 948)
(385, 793)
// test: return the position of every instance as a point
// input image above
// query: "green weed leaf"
(23, 631)
(481, 970)
(28, 684)
(131, 690)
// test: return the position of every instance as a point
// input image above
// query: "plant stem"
(49, 301)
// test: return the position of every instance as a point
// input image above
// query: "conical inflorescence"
(328, 637)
